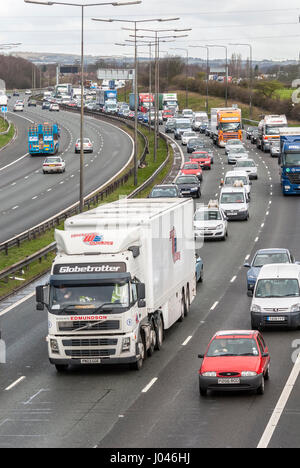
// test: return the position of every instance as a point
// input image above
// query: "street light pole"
(82, 7)
(251, 76)
(186, 75)
(207, 73)
(135, 23)
(226, 75)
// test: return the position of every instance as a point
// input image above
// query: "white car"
(54, 107)
(28, 92)
(18, 107)
(232, 144)
(234, 202)
(232, 177)
(237, 154)
(187, 136)
(210, 222)
(54, 164)
(87, 146)
(276, 298)
(248, 166)
(188, 113)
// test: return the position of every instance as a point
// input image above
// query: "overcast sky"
(272, 26)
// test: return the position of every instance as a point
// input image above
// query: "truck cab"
(289, 160)
(269, 130)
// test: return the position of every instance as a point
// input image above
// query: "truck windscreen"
(292, 159)
(90, 296)
(230, 127)
(274, 130)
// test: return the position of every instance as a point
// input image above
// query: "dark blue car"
(265, 257)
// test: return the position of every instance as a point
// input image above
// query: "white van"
(276, 298)
(231, 177)
(234, 202)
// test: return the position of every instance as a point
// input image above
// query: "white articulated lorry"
(124, 273)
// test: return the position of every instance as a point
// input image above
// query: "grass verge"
(5, 139)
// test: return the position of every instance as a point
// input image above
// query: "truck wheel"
(151, 349)
(159, 331)
(142, 353)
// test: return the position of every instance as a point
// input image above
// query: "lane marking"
(276, 415)
(24, 299)
(150, 384)
(14, 162)
(187, 340)
(233, 279)
(17, 382)
(215, 305)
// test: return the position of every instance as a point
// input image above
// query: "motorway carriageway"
(160, 406)
(27, 196)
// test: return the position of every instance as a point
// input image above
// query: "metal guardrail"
(93, 198)
(4, 274)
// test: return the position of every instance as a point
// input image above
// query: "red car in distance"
(235, 360)
(192, 168)
(202, 158)
(167, 114)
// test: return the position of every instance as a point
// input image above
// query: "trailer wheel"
(159, 331)
(187, 302)
(183, 308)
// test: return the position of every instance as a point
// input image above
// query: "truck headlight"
(126, 344)
(295, 308)
(256, 308)
(54, 346)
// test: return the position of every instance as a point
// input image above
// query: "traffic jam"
(235, 359)
(239, 360)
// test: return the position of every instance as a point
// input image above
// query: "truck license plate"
(90, 361)
(276, 319)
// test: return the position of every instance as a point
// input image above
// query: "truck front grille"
(91, 326)
(89, 343)
(294, 179)
(90, 353)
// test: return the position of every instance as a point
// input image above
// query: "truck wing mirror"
(141, 291)
(39, 293)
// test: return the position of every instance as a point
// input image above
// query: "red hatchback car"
(192, 168)
(203, 158)
(235, 360)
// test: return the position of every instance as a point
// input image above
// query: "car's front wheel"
(261, 388)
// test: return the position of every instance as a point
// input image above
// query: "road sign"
(108, 74)
(4, 109)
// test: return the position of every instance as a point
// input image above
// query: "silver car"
(237, 154)
(87, 146)
(233, 144)
(248, 166)
(275, 148)
(54, 164)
